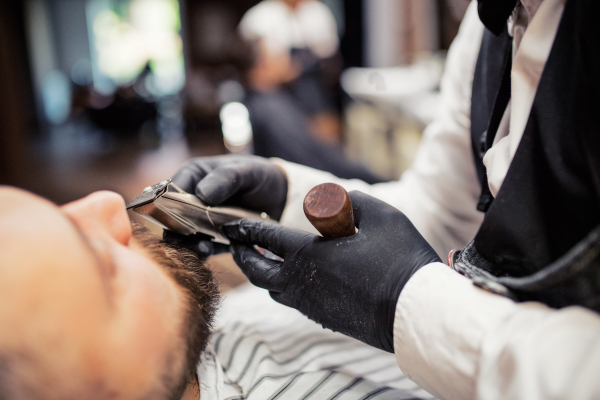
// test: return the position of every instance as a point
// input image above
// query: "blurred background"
(116, 94)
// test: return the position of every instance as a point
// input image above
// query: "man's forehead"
(18, 200)
(8, 195)
(32, 228)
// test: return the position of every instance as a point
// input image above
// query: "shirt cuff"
(440, 323)
(301, 180)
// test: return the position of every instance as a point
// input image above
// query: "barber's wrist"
(401, 284)
(282, 185)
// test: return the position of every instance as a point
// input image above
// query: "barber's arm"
(439, 192)
(386, 287)
(461, 342)
(348, 284)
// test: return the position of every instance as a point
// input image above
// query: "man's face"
(82, 295)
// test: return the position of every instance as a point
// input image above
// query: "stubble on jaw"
(202, 293)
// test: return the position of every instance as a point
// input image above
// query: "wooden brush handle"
(327, 206)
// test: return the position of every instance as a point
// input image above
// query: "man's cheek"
(148, 314)
(149, 296)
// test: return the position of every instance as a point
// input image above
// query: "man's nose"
(101, 213)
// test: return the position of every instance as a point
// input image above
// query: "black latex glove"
(243, 181)
(351, 284)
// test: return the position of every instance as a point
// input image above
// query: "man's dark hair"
(202, 290)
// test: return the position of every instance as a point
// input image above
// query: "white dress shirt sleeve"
(454, 339)
(439, 192)
(460, 342)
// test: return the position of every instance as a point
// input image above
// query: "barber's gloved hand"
(245, 181)
(350, 284)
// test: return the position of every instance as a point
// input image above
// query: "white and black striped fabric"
(263, 350)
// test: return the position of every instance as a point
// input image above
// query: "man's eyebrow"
(106, 282)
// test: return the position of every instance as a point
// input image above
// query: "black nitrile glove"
(350, 284)
(243, 181)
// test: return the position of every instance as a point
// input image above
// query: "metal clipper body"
(168, 206)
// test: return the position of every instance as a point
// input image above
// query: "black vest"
(540, 238)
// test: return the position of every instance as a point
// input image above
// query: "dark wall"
(210, 30)
(352, 43)
(17, 108)
(449, 18)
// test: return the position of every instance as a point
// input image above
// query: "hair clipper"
(168, 206)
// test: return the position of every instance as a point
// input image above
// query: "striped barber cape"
(263, 350)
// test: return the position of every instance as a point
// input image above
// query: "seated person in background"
(291, 111)
(91, 308)
(300, 37)
(280, 126)
(280, 130)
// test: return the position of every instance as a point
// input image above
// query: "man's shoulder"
(265, 18)
(271, 9)
(260, 348)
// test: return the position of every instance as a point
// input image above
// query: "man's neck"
(192, 392)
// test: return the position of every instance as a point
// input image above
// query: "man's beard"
(202, 293)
